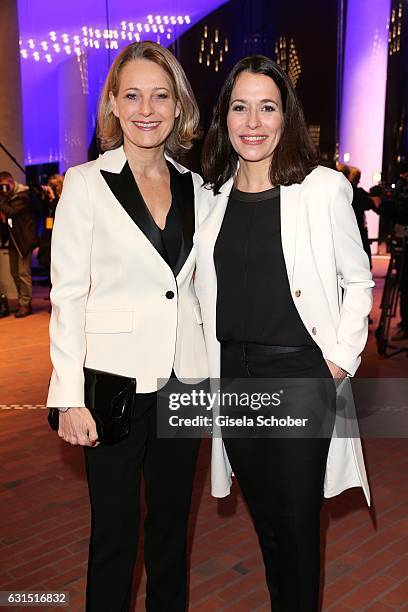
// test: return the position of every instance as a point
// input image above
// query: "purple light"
(76, 32)
(364, 86)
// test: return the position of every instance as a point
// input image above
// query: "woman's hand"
(77, 426)
(338, 373)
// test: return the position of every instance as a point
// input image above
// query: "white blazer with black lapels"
(117, 305)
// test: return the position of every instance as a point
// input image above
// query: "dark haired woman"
(276, 247)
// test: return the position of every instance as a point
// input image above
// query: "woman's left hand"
(338, 373)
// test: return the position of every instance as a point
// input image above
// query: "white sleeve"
(355, 278)
(70, 276)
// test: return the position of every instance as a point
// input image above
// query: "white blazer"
(112, 308)
(324, 259)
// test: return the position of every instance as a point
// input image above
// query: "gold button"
(314, 331)
(298, 292)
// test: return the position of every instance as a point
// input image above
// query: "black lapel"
(182, 189)
(126, 191)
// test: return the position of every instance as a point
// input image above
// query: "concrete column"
(73, 113)
(364, 86)
(11, 116)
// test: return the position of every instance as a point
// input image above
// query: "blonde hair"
(186, 126)
(58, 180)
(344, 169)
(355, 175)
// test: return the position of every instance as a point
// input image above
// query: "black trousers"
(282, 479)
(114, 475)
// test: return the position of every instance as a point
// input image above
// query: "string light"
(394, 32)
(288, 59)
(88, 37)
(213, 48)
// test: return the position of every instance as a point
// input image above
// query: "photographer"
(361, 203)
(16, 210)
(51, 193)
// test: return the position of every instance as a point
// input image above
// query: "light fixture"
(288, 59)
(213, 47)
(394, 31)
(88, 37)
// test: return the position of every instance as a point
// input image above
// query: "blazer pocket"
(197, 312)
(109, 321)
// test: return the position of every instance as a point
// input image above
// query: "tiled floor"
(45, 515)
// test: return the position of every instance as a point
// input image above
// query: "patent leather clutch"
(111, 400)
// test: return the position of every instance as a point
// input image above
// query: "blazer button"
(169, 295)
(314, 331)
(298, 293)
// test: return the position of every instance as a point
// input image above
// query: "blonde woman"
(123, 303)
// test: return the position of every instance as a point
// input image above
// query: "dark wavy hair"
(295, 155)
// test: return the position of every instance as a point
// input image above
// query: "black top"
(254, 302)
(172, 234)
(175, 241)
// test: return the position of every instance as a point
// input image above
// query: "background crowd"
(27, 217)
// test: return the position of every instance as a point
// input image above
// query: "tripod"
(389, 300)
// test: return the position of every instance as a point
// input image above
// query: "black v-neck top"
(172, 234)
(175, 241)
(254, 302)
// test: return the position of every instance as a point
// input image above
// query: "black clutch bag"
(111, 400)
